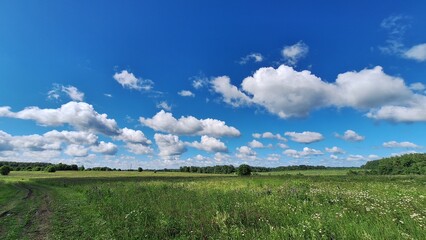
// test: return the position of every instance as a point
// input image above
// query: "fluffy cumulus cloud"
(255, 57)
(417, 52)
(79, 115)
(230, 93)
(76, 150)
(305, 137)
(350, 135)
(169, 145)
(269, 135)
(305, 153)
(186, 93)
(256, 144)
(165, 122)
(132, 136)
(395, 144)
(334, 150)
(105, 148)
(288, 93)
(293, 53)
(71, 91)
(246, 153)
(209, 144)
(129, 80)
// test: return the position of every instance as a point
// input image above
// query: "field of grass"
(132, 205)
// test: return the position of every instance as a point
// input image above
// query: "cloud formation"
(255, 57)
(305, 153)
(305, 137)
(71, 91)
(288, 93)
(395, 144)
(293, 53)
(79, 115)
(130, 81)
(350, 135)
(186, 93)
(165, 122)
(169, 145)
(209, 144)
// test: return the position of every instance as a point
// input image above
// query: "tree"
(244, 170)
(4, 170)
(140, 169)
(51, 169)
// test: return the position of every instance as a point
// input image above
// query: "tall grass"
(261, 207)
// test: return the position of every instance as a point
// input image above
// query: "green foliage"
(140, 169)
(5, 170)
(50, 169)
(414, 163)
(244, 170)
(219, 169)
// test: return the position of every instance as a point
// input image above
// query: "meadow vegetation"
(147, 205)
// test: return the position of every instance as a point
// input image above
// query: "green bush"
(244, 170)
(4, 170)
(50, 169)
(140, 169)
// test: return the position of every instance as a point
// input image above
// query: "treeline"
(414, 163)
(223, 169)
(226, 169)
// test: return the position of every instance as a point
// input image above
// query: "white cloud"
(169, 145)
(269, 135)
(417, 86)
(108, 95)
(288, 93)
(350, 135)
(133, 136)
(334, 150)
(76, 150)
(396, 26)
(230, 93)
(138, 148)
(305, 137)
(395, 144)
(256, 144)
(164, 105)
(246, 153)
(199, 82)
(186, 93)
(305, 153)
(80, 115)
(417, 52)
(334, 157)
(282, 145)
(105, 148)
(255, 57)
(273, 157)
(165, 122)
(128, 80)
(292, 54)
(209, 144)
(356, 158)
(71, 91)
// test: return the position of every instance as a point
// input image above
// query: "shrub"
(4, 170)
(140, 169)
(51, 169)
(244, 170)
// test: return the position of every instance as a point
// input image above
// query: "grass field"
(131, 205)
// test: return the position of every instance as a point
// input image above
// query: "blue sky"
(162, 84)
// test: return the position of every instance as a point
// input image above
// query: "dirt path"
(38, 225)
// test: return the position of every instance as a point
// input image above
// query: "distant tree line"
(414, 163)
(223, 169)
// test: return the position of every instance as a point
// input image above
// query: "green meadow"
(317, 204)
